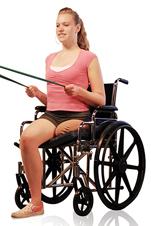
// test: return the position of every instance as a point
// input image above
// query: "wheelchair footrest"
(61, 185)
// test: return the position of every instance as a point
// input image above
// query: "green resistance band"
(11, 80)
(28, 75)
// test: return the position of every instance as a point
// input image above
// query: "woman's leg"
(32, 137)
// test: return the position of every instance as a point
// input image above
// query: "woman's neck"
(68, 49)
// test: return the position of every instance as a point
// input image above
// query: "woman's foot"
(29, 211)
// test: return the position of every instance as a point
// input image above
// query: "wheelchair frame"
(103, 135)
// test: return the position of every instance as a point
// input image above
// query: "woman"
(74, 67)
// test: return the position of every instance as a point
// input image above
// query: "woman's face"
(66, 29)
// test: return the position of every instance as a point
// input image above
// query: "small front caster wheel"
(22, 197)
(83, 201)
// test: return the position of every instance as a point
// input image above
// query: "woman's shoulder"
(51, 56)
(88, 54)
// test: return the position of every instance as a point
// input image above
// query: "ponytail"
(82, 40)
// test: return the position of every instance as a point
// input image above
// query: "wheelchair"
(118, 161)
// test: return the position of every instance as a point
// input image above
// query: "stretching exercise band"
(11, 80)
(28, 75)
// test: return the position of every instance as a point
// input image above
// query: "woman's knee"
(26, 140)
(36, 133)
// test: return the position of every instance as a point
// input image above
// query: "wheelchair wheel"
(119, 166)
(53, 165)
(22, 197)
(83, 201)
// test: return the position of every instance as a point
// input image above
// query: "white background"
(119, 33)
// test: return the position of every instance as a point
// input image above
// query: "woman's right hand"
(32, 91)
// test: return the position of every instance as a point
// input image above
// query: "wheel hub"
(122, 165)
(56, 162)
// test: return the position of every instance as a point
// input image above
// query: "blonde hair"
(82, 40)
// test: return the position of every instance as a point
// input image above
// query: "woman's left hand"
(71, 90)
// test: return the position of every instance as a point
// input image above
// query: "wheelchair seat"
(64, 139)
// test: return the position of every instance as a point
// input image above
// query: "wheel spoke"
(124, 176)
(82, 207)
(133, 167)
(65, 179)
(117, 189)
(54, 174)
(49, 153)
(108, 163)
(54, 151)
(128, 152)
(23, 201)
(28, 199)
(49, 170)
(54, 192)
(121, 144)
(81, 200)
(112, 175)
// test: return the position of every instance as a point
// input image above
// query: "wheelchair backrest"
(110, 91)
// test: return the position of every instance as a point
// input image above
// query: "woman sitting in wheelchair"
(67, 107)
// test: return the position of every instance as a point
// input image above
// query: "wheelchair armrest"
(107, 108)
(40, 108)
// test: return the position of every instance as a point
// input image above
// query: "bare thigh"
(67, 126)
(38, 132)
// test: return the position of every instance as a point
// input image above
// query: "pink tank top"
(77, 74)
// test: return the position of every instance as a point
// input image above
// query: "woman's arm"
(33, 91)
(97, 95)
